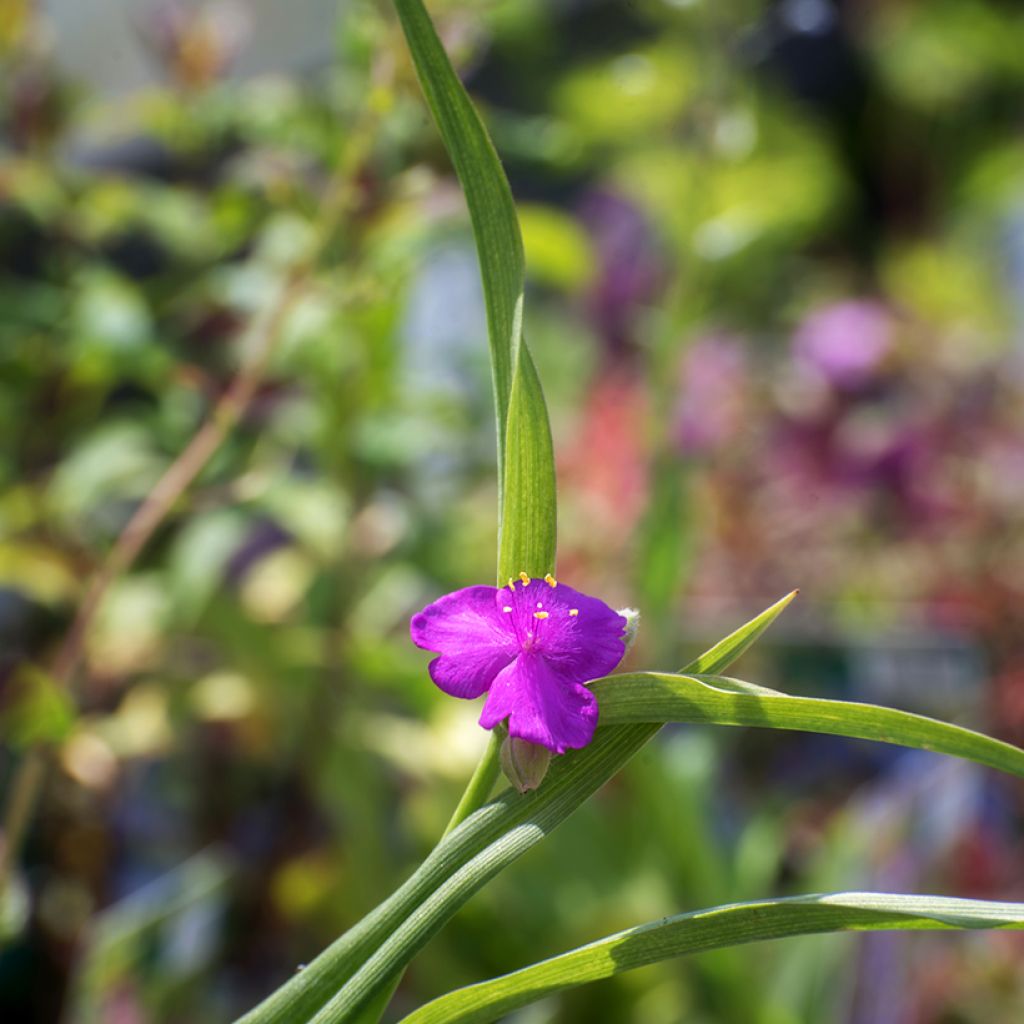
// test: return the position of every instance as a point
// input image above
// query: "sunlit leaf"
(527, 536)
(713, 929)
(526, 471)
(632, 95)
(488, 196)
(558, 249)
(35, 710)
(661, 697)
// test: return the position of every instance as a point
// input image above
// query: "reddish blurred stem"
(175, 481)
(28, 778)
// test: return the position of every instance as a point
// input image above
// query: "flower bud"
(524, 764)
(632, 617)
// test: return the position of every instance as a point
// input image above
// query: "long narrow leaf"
(359, 963)
(659, 697)
(526, 465)
(528, 517)
(712, 929)
(491, 207)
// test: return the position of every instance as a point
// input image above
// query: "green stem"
(480, 784)
(374, 1009)
(478, 789)
(21, 800)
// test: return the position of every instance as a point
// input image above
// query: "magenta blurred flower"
(710, 408)
(529, 646)
(845, 342)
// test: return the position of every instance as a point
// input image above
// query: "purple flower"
(630, 267)
(529, 646)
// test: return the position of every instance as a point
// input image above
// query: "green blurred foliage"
(687, 170)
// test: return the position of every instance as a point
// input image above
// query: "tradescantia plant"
(541, 651)
(531, 646)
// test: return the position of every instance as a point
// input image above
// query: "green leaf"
(491, 207)
(712, 929)
(558, 251)
(526, 466)
(36, 710)
(349, 973)
(715, 700)
(528, 517)
(737, 643)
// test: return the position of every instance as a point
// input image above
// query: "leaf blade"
(716, 700)
(526, 466)
(739, 641)
(528, 522)
(491, 206)
(714, 928)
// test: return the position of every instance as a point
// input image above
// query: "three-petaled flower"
(530, 647)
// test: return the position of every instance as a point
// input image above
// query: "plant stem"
(18, 812)
(480, 784)
(478, 789)
(374, 1009)
(177, 478)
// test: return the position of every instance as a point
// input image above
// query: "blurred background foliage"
(776, 258)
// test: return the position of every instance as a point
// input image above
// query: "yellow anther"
(540, 615)
(524, 578)
(506, 609)
(574, 612)
(550, 580)
(511, 584)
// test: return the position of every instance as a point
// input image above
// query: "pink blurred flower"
(845, 342)
(604, 466)
(712, 397)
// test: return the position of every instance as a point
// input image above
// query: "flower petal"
(579, 636)
(475, 640)
(541, 705)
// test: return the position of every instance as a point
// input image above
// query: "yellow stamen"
(550, 580)
(511, 584)
(506, 609)
(574, 612)
(540, 615)
(524, 578)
